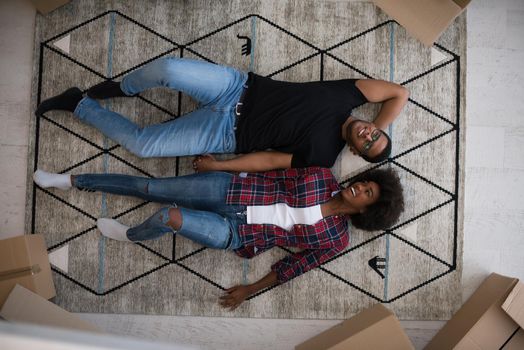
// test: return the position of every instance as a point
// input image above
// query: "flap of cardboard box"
(373, 328)
(462, 3)
(24, 261)
(423, 19)
(516, 342)
(20, 272)
(46, 6)
(22, 305)
(514, 304)
(13, 255)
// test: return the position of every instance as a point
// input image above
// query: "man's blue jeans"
(201, 198)
(209, 129)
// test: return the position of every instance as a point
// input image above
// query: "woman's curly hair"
(385, 212)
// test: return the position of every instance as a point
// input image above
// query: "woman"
(250, 213)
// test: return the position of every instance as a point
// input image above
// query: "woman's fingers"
(196, 160)
(232, 305)
(232, 299)
(229, 301)
(203, 163)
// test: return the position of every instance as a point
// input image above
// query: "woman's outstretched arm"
(236, 295)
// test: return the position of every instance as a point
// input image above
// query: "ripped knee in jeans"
(175, 218)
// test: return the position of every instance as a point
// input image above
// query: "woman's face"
(360, 195)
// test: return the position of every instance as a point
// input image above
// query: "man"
(274, 124)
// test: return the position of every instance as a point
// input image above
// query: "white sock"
(45, 180)
(113, 229)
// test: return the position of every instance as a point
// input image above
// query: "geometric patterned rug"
(414, 268)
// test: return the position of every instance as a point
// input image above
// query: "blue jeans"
(209, 129)
(201, 199)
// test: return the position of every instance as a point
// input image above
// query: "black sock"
(66, 101)
(106, 89)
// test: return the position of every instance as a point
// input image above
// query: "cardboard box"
(481, 323)
(46, 6)
(24, 261)
(516, 342)
(22, 305)
(514, 304)
(374, 328)
(425, 20)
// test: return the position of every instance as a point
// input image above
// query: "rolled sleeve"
(296, 264)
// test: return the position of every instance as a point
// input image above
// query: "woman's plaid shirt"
(297, 188)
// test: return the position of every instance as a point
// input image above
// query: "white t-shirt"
(282, 215)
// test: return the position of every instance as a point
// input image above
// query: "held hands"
(204, 163)
(234, 297)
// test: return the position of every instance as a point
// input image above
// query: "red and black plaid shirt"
(297, 188)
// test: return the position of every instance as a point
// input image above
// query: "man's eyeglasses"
(375, 135)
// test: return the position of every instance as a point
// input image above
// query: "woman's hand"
(234, 297)
(204, 163)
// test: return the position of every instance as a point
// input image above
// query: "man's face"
(363, 138)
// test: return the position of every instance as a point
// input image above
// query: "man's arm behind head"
(393, 97)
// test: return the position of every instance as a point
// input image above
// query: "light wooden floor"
(494, 204)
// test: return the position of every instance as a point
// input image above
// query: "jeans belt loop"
(238, 108)
(240, 103)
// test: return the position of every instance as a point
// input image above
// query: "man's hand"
(234, 297)
(204, 163)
